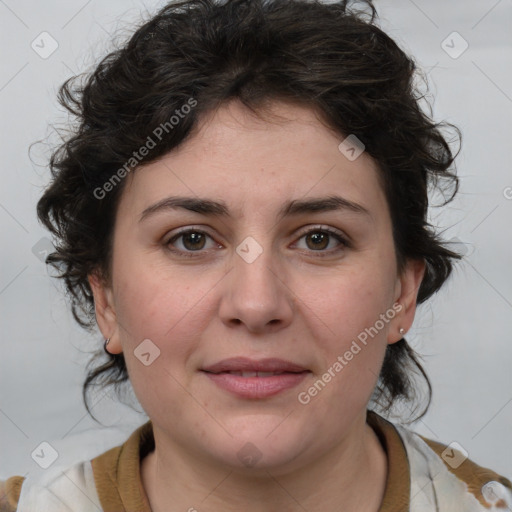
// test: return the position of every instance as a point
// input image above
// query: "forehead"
(258, 161)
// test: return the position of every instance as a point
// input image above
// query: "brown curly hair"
(330, 57)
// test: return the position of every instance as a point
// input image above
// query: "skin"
(289, 303)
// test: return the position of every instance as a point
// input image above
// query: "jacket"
(423, 476)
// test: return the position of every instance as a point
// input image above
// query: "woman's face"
(287, 254)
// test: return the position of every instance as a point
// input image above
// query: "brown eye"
(319, 240)
(324, 241)
(193, 240)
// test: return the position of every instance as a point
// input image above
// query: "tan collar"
(119, 485)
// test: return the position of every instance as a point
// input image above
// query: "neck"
(353, 473)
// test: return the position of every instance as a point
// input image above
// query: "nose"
(256, 295)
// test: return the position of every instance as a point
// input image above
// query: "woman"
(242, 211)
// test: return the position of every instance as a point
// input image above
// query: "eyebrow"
(219, 208)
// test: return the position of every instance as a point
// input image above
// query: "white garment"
(433, 487)
(72, 490)
(68, 485)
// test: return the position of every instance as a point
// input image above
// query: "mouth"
(247, 365)
(247, 378)
(252, 374)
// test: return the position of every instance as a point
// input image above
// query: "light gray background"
(464, 332)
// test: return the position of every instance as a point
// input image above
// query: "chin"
(262, 444)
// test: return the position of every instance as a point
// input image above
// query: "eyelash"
(321, 253)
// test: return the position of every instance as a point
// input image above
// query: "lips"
(250, 367)
(255, 374)
(250, 379)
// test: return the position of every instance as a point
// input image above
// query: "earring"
(402, 331)
(107, 341)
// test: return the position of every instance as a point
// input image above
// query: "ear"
(406, 294)
(105, 311)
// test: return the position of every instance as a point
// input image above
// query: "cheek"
(171, 312)
(349, 315)
(349, 352)
(350, 302)
(167, 308)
